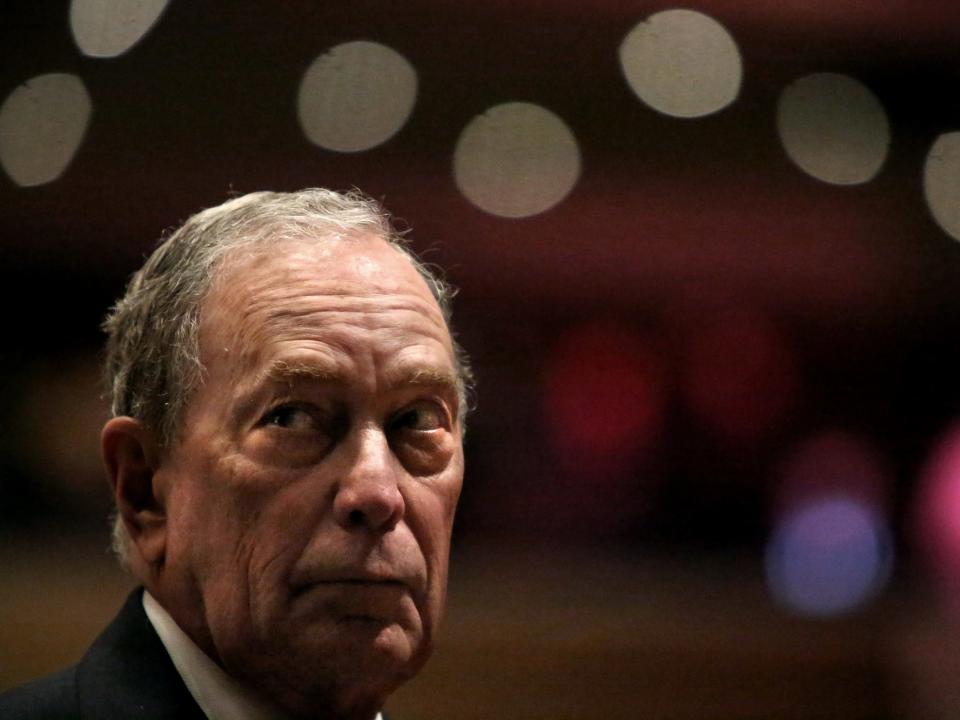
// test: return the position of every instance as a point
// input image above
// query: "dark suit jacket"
(126, 673)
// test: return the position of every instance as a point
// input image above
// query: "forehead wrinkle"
(266, 320)
(274, 284)
(358, 276)
(279, 304)
(304, 303)
(332, 326)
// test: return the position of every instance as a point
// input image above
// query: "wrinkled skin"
(299, 528)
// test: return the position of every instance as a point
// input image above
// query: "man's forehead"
(341, 263)
(281, 284)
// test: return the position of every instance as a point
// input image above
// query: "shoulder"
(125, 673)
(50, 698)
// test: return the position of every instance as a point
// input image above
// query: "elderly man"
(285, 454)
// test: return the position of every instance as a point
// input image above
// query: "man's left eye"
(423, 416)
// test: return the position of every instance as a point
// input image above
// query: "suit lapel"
(128, 673)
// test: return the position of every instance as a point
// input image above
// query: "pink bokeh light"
(936, 516)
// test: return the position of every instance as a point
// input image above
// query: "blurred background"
(709, 264)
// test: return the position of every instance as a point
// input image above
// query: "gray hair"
(153, 348)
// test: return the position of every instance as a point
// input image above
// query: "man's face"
(311, 493)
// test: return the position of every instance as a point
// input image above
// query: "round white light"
(42, 123)
(682, 63)
(356, 96)
(108, 28)
(834, 128)
(941, 182)
(516, 159)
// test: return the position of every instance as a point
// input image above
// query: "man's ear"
(130, 457)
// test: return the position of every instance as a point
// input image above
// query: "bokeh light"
(936, 515)
(740, 376)
(515, 160)
(828, 556)
(828, 462)
(682, 63)
(941, 182)
(42, 123)
(356, 96)
(831, 548)
(834, 128)
(604, 395)
(109, 28)
(603, 405)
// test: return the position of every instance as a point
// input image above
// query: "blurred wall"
(707, 257)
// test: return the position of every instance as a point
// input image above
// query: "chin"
(377, 655)
(379, 668)
(350, 675)
(349, 695)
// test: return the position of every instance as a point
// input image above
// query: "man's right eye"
(291, 417)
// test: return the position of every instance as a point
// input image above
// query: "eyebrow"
(289, 371)
(286, 371)
(427, 376)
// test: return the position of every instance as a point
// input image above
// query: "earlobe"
(130, 458)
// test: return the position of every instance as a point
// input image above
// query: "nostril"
(368, 505)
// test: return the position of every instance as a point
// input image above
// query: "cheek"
(431, 514)
(284, 526)
(278, 515)
(243, 528)
(247, 589)
(428, 453)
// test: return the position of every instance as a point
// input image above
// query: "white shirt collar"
(218, 695)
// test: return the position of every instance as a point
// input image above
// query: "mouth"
(356, 602)
(359, 619)
(360, 584)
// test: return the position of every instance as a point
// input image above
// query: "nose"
(368, 496)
